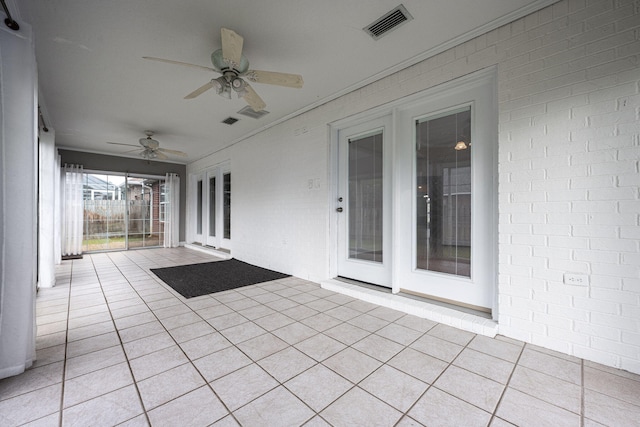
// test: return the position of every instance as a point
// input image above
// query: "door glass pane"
(365, 198)
(226, 205)
(199, 208)
(104, 225)
(443, 199)
(143, 196)
(212, 206)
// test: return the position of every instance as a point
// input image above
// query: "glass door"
(200, 197)
(145, 227)
(447, 197)
(212, 207)
(226, 209)
(122, 211)
(105, 209)
(363, 203)
(443, 193)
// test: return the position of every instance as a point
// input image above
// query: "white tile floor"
(118, 347)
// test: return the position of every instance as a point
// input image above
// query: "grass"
(119, 242)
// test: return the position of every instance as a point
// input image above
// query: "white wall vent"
(391, 20)
(250, 112)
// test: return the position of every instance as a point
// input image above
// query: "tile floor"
(116, 346)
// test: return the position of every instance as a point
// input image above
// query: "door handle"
(339, 209)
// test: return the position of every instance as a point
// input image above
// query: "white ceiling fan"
(151, 148)
(234, 67)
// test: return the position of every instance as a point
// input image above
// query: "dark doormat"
(194, 280)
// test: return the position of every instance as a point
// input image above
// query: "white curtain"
(18, 205)
(172, 210)
(73, 210)
(57, 213)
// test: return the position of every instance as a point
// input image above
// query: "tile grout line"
(432, 384)
(230, 413)
(506, 385)
(256, 361)
(405, 413)
(66, 346)
(582, 402)
(115, 327)
(524, 347)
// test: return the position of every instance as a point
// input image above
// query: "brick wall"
(569, 149)
(568, 179)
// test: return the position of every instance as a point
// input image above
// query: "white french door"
(212, 207)
(198, 208)
(419, 204)
(363, 202)
(212, 214)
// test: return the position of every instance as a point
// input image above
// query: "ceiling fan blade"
(119, 143)
(275, 78)
(231, 46)
(253, 99)
(202, 89)
(169, 61)
(174, 152)
(130, 151)
(161, 156)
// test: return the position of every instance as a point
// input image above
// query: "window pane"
(365, 198)
(212, 206)
(443, 199)
(227, 205)
(199, 209)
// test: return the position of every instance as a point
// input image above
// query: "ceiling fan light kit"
(233, 65)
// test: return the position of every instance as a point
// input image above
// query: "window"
(163, 203)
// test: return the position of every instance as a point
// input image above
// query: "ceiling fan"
(151, 148)
(234, 67)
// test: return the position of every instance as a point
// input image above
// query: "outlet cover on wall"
(576, 279)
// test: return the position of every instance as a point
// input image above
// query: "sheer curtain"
(73, 210)
(172, 210)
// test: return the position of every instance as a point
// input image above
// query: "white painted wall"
(569, 148)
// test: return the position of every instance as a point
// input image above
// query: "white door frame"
(209, 239)
(203, 238)
(371, 272)
(193, 205)
(484, 78)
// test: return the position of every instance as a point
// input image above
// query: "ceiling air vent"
(250, 112)
(388, 22)
(229, 120)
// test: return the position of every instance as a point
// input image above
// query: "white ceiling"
(95, 87)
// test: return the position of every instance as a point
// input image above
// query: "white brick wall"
(569, 154)
(575, 77)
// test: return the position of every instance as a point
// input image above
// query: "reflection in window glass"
(212, 206)
(199, 208)
(226, 204)
(365, 198)
(104, 226)
(443, 198)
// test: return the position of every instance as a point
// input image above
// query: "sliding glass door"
(145, 226)
(122, 212)
(105, 210)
